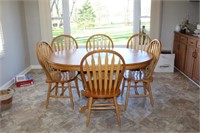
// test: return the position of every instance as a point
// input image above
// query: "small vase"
(178, 28)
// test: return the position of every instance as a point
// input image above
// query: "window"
(1, 41)
(83, 18)
(145, 15)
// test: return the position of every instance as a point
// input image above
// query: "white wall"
(199, 12)
(173, 14)
(17, 55)
(31, 9)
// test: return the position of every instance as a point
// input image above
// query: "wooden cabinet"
(180, 43)
(189, 60)
(196, 67)
(187, 55)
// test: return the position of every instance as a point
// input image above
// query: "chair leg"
(63, 90)
(127, 94)
(135, 88)
(89, 110)
(145, 88)
(117, 111)
(48, 95)
(70, 96)
(56, 91)
(150, 95)
(77, 87)
(123, 85)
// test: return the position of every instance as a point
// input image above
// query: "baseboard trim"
(7, 85)
(12, 81)
(36, 67)
(187, 77)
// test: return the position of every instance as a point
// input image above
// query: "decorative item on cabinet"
(178, 28)
(187, 27)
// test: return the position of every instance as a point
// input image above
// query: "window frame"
(66, 16)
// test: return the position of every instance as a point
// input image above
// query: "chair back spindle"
(99, 41)
(64, 42)
(102, 72)
(139, 41)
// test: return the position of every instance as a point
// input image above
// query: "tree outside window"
(83, 18)
(86, 16)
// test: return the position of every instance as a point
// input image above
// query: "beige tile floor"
(177, 103)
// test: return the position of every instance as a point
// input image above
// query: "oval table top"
(70, 59)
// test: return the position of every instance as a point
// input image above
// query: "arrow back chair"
(138, 41)
(59, 81)
(145, 76)
(65, 42)
(102, 72)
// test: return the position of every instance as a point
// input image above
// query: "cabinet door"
(181, 56)
(175, 50)
(189, 58)
(176, 47)
(196, 71)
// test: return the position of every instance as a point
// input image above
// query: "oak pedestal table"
(70, 60)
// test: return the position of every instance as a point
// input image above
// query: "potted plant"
(6, 99)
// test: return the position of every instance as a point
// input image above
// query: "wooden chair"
(138, 41)
(63, 42)
(56, 79)
(145, 75)
(99, 41)
(95, 68)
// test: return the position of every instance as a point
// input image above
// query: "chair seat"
(63, 77)
(137, 75)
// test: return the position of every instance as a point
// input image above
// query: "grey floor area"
(177, 102)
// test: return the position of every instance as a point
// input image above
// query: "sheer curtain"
(1, 41)
(45, 20)
(66, 17)
(1, 35)
(156, 6)
(136, 16)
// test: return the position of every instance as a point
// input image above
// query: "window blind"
(1, 41)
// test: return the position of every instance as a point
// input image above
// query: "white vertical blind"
(156, 6)
(1, 41)
(136, 16)
(66, 17)
(1, 34)
(45, 20)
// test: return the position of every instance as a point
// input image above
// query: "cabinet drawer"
(192, 42)
(183, 40)
(176, 37)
